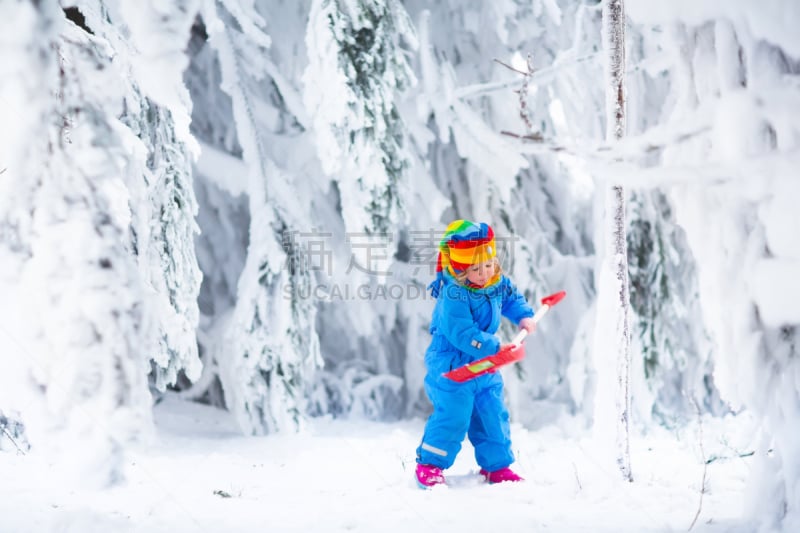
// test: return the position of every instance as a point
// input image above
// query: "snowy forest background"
(238, 202)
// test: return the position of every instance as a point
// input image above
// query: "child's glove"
(528, 324)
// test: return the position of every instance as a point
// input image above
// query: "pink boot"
(499, 476)
(429, 475)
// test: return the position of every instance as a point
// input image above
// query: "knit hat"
(464, 243)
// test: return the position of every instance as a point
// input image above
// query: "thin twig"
(542, 76)
(534, 137)
(630, 149)
(524, 109)
(1, 171)
(511, 68)
(705, 464)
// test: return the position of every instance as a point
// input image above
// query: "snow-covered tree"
(165, 244)
(668, 337)
(156, 109)
(671, 362)
(356, 71)
(82, 279)
(27, 82)
(102, 236)
(269, 345)
(731, 74)
(612, 327)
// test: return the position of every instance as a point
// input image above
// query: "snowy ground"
(199, 475)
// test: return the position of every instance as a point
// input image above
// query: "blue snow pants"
(473, 409)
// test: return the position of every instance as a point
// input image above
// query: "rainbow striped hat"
(464, 243)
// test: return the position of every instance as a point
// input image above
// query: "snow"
(776, 290)
(223, 170)
(774, 20)
(160, 31)
(357, 476)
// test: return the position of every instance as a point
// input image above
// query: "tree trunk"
(614, 45)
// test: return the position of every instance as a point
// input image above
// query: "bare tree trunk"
(614, 45)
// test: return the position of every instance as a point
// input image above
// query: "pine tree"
(82, 277)
(668, 326)
(157, 111)
(356, 71)
(269, 346)
(28, 81)
(735, 220)
(106, 251)
(156, 107)
(164, 240)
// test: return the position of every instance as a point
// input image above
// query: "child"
(472, 294)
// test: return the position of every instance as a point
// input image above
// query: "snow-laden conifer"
(268, 347)
(155, 108)
(82, 279)
(356, 72)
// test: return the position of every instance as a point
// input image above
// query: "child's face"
(479, 273)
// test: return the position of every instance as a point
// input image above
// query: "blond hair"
(461, 276)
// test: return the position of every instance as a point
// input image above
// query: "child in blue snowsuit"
(472, 294)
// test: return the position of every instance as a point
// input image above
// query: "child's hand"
(528, 324)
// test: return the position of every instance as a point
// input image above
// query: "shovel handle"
(519, 337)
(547, 303)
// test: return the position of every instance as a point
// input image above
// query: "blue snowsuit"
(463, 326)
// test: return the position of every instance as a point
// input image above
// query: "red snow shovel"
(513, 352)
